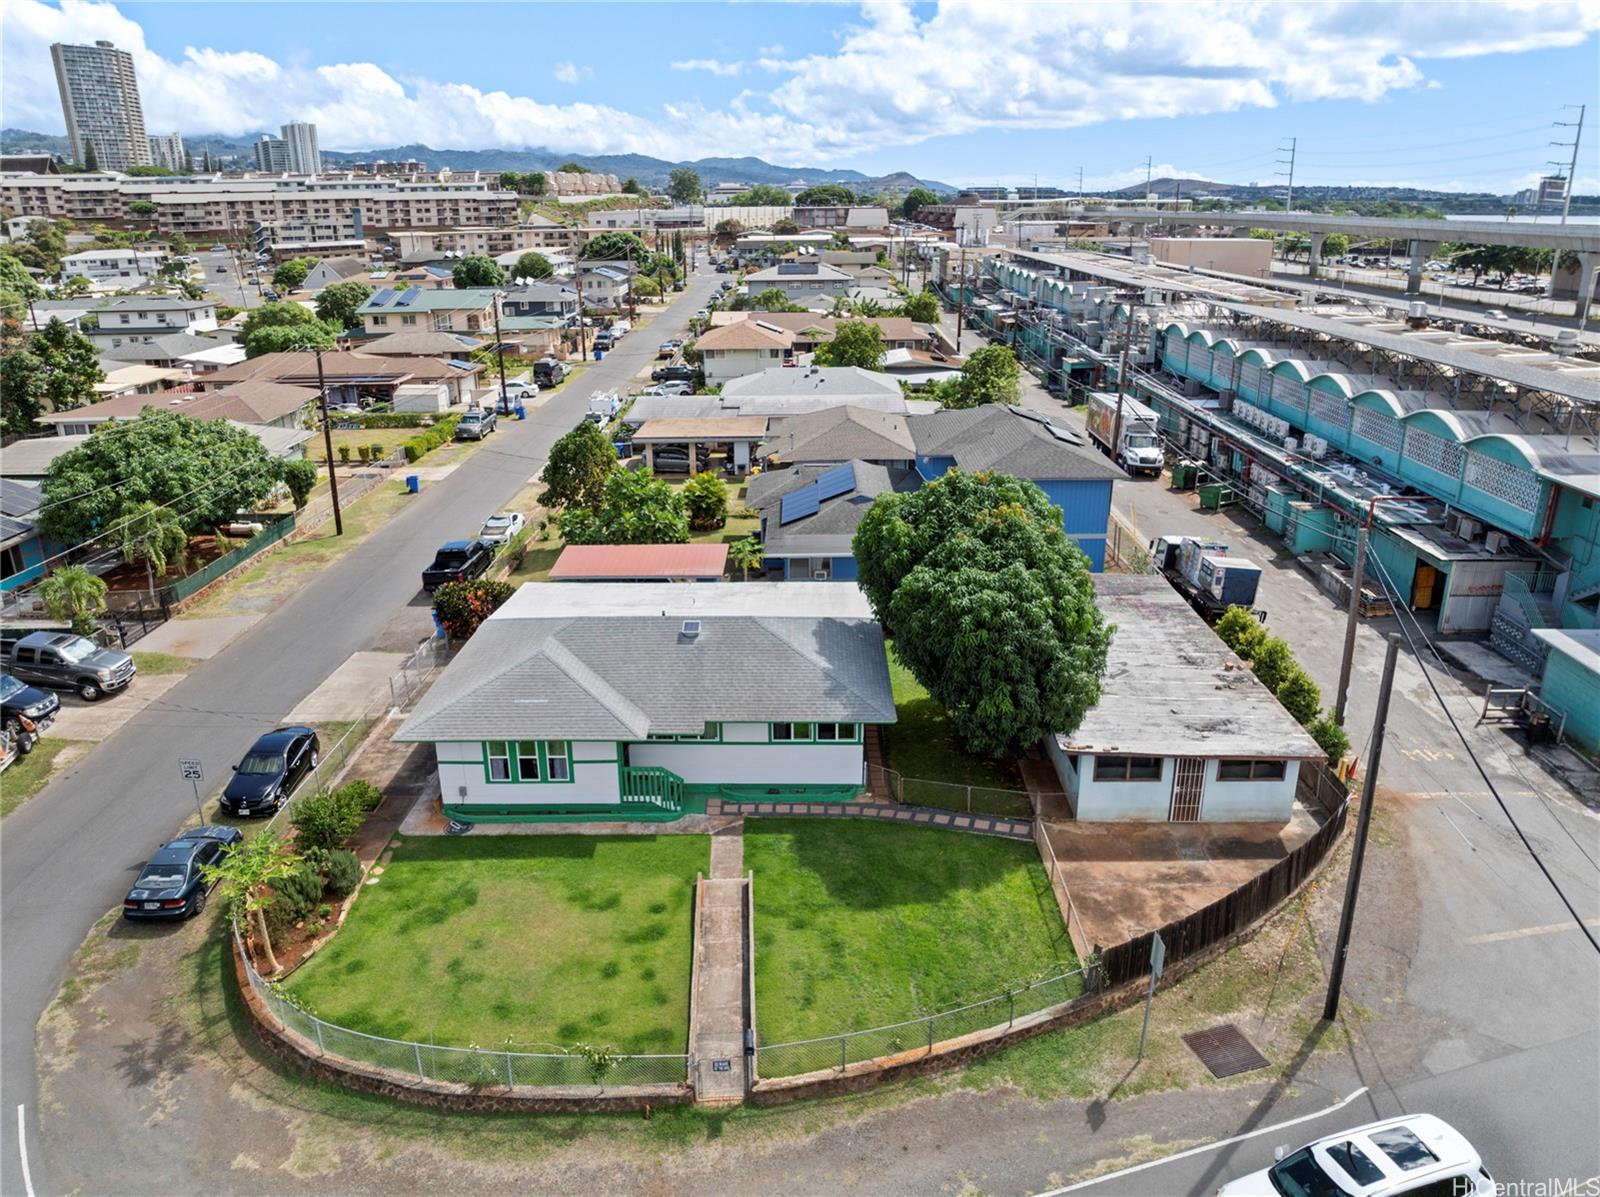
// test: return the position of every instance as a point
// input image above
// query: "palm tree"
(151, 533)
(746, 554)
(74, 594)
(246, 875)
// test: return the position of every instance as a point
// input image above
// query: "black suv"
(456, 561)
(674, 374)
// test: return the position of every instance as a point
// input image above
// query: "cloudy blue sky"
(1432, 94)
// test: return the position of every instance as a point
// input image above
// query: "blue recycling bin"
(413, 483)
(599, 354)
(522, 412)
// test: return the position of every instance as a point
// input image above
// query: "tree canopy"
(292, 273)
(578, 468)
(532, 265)
(763, 195)
(339, 302)
(56, 368)
(825, 195)
(728, 228)
(631, 186)
(855, 343)
(572, 168)
(990, 604)
(922, 307)
(991, 375)
(282, 326)
(917, 199)
(635, 508)
(773, 299)
(207, 471)
(785, 224)
(477, 271)
(616, 246)
(684, 185)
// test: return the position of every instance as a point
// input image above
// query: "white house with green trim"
(641, 700)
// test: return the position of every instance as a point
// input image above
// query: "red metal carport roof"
(658, 562)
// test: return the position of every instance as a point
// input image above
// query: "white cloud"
(712, 65)
(896, 76)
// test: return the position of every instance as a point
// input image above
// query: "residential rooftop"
(1173, 688)
(624, 660)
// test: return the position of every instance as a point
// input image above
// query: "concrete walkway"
(716, 1038)
(922, 816)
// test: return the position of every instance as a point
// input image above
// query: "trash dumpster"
(1215, 495)
(1184, 474)
(413, 483)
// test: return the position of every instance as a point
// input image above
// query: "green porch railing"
(651, 785)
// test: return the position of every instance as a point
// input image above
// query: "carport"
(737, 436)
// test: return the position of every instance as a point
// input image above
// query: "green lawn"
(536, 942)
(862, 924)
(156, 664)
(27, 775)
(922, 746)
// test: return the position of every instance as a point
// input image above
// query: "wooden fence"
(1244, 906)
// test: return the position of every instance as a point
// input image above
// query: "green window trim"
(513, 753)
(711, 735)
(813, 733)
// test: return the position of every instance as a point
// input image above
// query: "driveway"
(66, 857)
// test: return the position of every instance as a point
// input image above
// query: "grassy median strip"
(157, 664)
(529, 942)
(863, 924)
(29, 774)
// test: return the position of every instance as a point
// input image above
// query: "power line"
(1434, 145)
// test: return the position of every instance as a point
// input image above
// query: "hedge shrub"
(344, 873)
(294, 897)
(323, 820)
(425, 442)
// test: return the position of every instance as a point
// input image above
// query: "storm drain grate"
(1225, 1051)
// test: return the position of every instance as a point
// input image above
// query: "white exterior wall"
(754, 764)
(736, 363)
(594, 778)
(1151, 801)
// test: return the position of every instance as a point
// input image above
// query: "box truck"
(1138, 447)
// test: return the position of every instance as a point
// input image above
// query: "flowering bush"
(462, 606)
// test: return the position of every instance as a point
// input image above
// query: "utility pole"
(1122, 386)
(1352, 618)
(500, 354)
(1080, 182)
(1148, 163)
(1572, 169)
(1290, 149)
(577, 277)
(961, 307)
(1341, 946)
(327, 441)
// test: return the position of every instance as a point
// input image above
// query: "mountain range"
(652, 172)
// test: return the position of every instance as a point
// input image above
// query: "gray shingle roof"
(1011, 440)
(842, 434)
(608, 661)
(832, 529)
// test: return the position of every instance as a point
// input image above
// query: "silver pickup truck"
(66, 661)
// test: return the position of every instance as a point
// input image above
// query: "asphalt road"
(68, 855)
(222, 278)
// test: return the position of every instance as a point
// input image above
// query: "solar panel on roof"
(799, 505)
(840, 480)
(384, 296)
(407, 296)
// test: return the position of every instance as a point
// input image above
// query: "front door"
(1188, 785)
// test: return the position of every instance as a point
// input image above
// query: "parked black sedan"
(270, 771)
(171, 884)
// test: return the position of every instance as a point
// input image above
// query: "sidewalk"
(716, 1038)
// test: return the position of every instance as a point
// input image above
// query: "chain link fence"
(950, 795)
(407, 681)
(479, 1067)
(919, 1034)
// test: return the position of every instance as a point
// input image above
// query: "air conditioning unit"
(1495, 541)
(1469, 529)
(821, 575)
